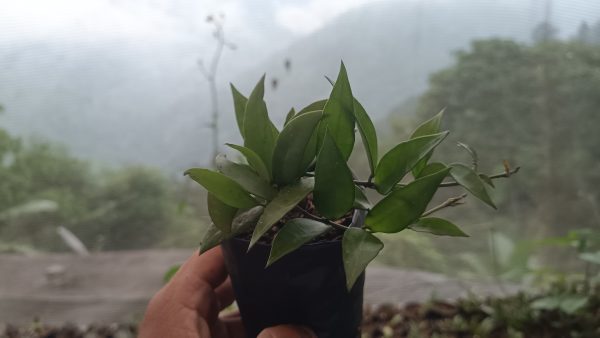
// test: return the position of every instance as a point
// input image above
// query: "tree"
(584, 33)
(537, 105)
(42, 187)
(210, 74)
(544, 32)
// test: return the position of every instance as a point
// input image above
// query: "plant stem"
(321, 219)
(210, 74)
(369, 184)
(366, 184)
(451, 202)
(502, 175)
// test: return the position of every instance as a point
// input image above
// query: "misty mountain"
(143, 101)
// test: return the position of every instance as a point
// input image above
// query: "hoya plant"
(295, 185)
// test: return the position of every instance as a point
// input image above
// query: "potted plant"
(295, 225)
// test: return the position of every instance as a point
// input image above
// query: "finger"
(287, 331)
(234, 325)
(225, 294)
(201, 269)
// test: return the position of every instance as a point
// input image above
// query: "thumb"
(287, 331)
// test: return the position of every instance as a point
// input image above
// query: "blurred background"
(105, 103)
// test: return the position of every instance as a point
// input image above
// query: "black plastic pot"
(306, 287)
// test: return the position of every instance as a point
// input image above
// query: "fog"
(119, 83)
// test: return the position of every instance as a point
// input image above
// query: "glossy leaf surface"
(368, 134)
(431, 168)
(317, 105)
(254, 160)
(397, 162)
(403, 206)
(241, 224)
(223, 187)
(338, 115)
(245, 176)
(285, 200)
(360, 199)
(429, 127)
(471, 181)
(288, 157)
(290, 115)
(334, 184)
(239, 105)
(260, 134)
(438, 226)
(293, 235)
(359, 248)
(220, 213)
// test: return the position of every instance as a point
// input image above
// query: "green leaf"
(290, 115)
(573, 303)
(592, 257)
(368, 134)
(405, 205)
(293, 235)
(431, 168)
(429, 127)
(254, 160)
(311, 148)
(486, 179)
(241, 223)
(360, 199)
(396, 163)
(170, 273)
(338, 115)
(359, 248)
(334, 184)
(469, 179)
(246, 177)
(288, 156)
(287, 198)
(310, 153)
(438, 226)
(239, 105)
(220, 213)
(317, 105)
(547, 303)
(569, 304)
(211, 238)
(223, 187)
(260, 134)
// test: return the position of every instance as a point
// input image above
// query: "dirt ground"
(115, 286)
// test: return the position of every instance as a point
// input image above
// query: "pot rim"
(320, 243)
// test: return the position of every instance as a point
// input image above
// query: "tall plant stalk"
(210, 74)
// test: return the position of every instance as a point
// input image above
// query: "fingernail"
(307, 333)
(265, 334)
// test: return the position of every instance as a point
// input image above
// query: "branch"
(369, 184)
(366, 184)
(451, 202)
(321, 219)
(505, 174)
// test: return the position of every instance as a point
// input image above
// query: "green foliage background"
(535, 105)
(44, 187)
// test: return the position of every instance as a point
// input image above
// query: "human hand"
(189, 305)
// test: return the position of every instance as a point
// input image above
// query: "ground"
(115, 286)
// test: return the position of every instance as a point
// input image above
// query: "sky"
(168, 19)
(76, 58)
(144, 18)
